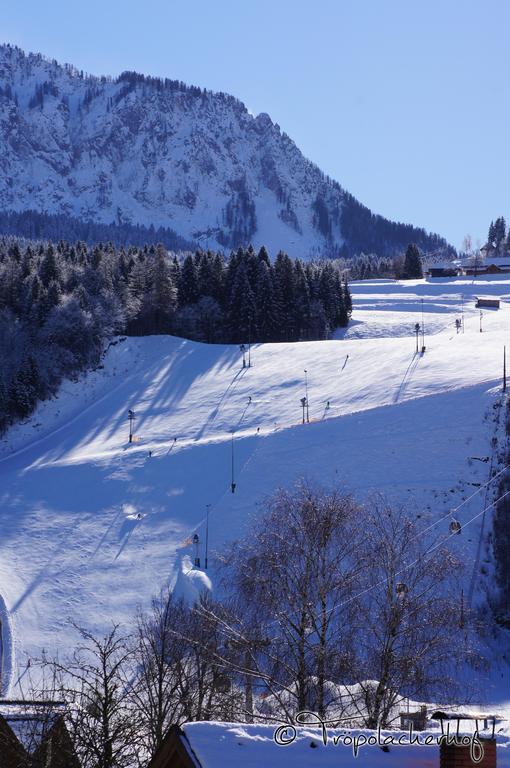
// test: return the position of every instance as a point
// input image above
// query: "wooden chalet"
(443, 270)
(34, 735)
(175, 752)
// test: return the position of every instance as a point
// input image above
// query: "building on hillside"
(495, 265)
(33, 734)
(490, 302)
(443, 270)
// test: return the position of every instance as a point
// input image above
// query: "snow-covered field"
(92, 527)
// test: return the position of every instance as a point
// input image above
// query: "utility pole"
(303, 406)
(422, 330)
(481, 315)
(207, 508)
(462, 312)
(131, 417)
(504, 369)
(417, 332)
(306, 392)
(242, 349)
(195, 547)
(232, 484)
(249, 343)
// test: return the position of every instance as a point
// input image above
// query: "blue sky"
(403, 102)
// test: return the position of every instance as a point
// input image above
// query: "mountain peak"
(150, 151)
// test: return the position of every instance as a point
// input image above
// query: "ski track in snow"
(93, 527)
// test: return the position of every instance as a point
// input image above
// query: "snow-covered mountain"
(151, 152)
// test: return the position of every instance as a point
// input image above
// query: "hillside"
(140, 151)
(93, 527)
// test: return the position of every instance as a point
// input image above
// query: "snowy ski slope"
(92, 527)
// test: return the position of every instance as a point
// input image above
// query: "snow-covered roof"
(229, 745)
(496, 261)
(464, 714)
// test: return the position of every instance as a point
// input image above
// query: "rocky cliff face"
(152, 152)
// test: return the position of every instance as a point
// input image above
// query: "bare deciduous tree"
(410, 616)
(96, 683)
(293, 577)
(179, 673)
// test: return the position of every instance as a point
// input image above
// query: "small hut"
(416, 720)
(489, 302)
(476, 739)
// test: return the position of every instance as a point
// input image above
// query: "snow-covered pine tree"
(164, 292)
(266, 309)
(286, 293)
(188, 289)
(412, 263)
(241, 310)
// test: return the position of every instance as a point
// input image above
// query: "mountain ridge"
(141, 150)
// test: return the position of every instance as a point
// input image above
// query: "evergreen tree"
(188, 290)
(491, 237)
(412, 263)
(285, 293)
(329, 294)
(264, 256)
(302, 302)
(347, 299)
(241, 311)
(48, 270)
(137, 293)
(266, 313)
(164, 292)
(499, 233)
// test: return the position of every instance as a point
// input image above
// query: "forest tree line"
(59, 304)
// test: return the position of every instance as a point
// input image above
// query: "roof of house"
(462, 714)
(30, 721)
(35, 733)
(229, 745)
(496, 261)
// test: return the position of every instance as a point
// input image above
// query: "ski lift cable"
(476, 561)
(456, 509)
(405, 568)
(382, 582)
